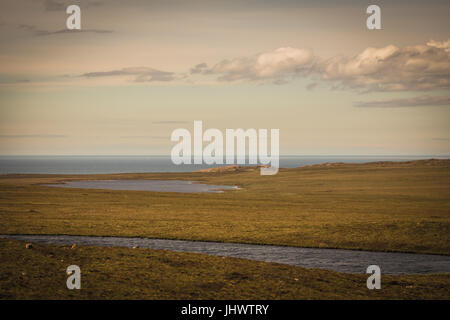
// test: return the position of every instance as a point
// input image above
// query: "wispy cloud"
(141, 74)
(61, 5)
(66, 31)
(54, 5)
(145, 137)
(25, 136)
(14, 81)
(170, 122)
(35, 31)
(421, 101)
(199, 68)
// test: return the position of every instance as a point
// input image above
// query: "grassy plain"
(377, 206)
(122, 273)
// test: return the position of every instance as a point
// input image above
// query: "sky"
(139, 69)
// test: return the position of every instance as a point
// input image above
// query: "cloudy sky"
(139, 69)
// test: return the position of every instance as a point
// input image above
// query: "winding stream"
(349, 261)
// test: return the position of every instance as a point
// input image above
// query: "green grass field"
(121, 273)
(378, 206)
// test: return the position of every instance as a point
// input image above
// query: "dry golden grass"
(121, 273)
(379, 206)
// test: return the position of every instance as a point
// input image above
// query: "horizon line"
(281, 155)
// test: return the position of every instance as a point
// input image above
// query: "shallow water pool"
(145, 185)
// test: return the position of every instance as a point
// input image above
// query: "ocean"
(139, 164)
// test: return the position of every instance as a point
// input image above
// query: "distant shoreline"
(161, 164)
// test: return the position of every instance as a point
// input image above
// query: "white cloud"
(440, 44)
(274, 65)
(420, 67)
(412, 68)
